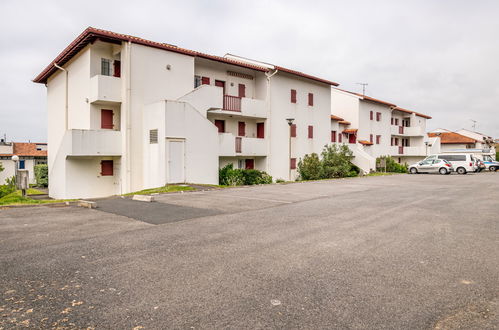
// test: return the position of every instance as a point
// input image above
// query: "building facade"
(374, 128)
(126, 114)
(30, 154)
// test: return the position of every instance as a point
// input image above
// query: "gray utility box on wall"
(22, 179)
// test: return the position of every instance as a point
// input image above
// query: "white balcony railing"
(83, 142)
(105, 89)
(231, 146)
(407, 151)
(406, 131)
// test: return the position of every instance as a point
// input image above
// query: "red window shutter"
(352, 138)
(310, 132)
(106, 168)
(293, 96)
(292, 164)
(242, 90)
(241, 131)
(205, 80)
(106, 119)
(371, 115)
(340, 138)
(371, 138)
(310, 99)
(249, 164)
(293, 130)
(117, 68)
(220, 124)
(378, 116)
(260, 130)
(391, 121)
(391, 141)
(239, 142)
(333, 136)
(378, 139)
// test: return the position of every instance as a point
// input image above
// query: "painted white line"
(255, 198)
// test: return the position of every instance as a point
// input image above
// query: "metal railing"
(232, 103)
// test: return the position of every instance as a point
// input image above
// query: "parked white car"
(431, 166)
(462, 163)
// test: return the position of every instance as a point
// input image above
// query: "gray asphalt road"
(398, 252)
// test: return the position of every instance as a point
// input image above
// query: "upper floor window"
(371, 115)
(197, 81)
(378, 139)
(105, 65)
(310, 132)
(333, 136)
(310, 99)
(371, 138)
(205, 80)
(106, 168)
(293, 96)
(378, 116)
(293, 130)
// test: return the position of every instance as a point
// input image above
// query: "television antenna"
(474, 124)
(363, 88)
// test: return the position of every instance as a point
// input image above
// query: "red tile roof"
(26, 150)
(350, 131)
(410, 111)
(366, 143)
(333, 117)
(452, 138)
(91, 34)
(344, 122)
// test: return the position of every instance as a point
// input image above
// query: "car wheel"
(413, 170)
(461, 170)
(492, 168)
(442, 171)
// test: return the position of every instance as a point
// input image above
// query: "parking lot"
(396, 252)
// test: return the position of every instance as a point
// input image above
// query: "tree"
(309, 167)
(336, 161)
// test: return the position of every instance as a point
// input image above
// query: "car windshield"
(487, 158)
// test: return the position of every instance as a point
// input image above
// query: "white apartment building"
(30, 154)
(125, 114)
(374, 128)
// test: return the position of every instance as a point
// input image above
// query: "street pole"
(290, 123)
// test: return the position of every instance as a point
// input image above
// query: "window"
(260, 130)
(292, 163)
(153, 136)
(340, 138)
(242, 90)
(249, 164)
(205, 81)
(293, 96)
(106, 119)
(220, 124)
(378, 139)
(310, 132)
(392, 121)
(352, 138)
(197, 81)
(241, 128)
(220, 83)
(396, 141)
(396, 121)
(453, 158)
(333, 136)
(371, 115)
(117, 68)
(105, 67)
(106, 168)
(310, 99)
(22, 164)
(391, 141)
(371, 138)
(293, 130)
(378, 116)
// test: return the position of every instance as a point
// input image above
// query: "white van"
(462, 163)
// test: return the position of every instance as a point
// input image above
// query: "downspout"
(128, 124)
(268, 76)
(66, 107)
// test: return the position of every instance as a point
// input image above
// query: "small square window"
(105, 67)
(153, 136)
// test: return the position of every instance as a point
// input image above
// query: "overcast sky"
(438, 57)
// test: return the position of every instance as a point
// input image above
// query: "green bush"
(337, 162)
(391, 165)
(229, 176)
(42, 175)
(8, 188)
(1, 167)
(309, 168)
(497, 156)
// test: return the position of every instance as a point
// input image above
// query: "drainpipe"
(128, 124)
(66, 110)
(268, 76)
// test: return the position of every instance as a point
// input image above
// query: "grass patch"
(15, 198)
(382, 173)
(160, 190)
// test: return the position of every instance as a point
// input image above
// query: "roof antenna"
(474, 124)
(363, 88)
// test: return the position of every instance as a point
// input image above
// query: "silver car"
(441, 166)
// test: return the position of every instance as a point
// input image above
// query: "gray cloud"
(435, 57)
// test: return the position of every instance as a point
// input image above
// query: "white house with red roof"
(378, 128)
(125, 114)
(30, 154)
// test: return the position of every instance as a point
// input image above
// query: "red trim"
(310, 132)
(293, 96)
(293, 130)
(260, 130)
(106, 168)
(292, 163)
(310, 99)
(241, 128)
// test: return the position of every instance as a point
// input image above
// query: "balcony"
(406, 131)
(82, 142)
(232, 146)
(407, 151)
(105, 89)
(242, 106)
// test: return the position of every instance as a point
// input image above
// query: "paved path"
(398, 252)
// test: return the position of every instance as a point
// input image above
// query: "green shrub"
(309, 168)
(497, 156)
(337, 162)
(9, 187)
(1, 167)
(279, 181)
(228, 176)
(391, 165)
(42, 175)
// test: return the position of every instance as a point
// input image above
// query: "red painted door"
(220, 83)
(220, 124)
(260, 130)
(250, 164)
(117, 68)
(241, 128)
(106, 119)
(242, 90)
(352, 138)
